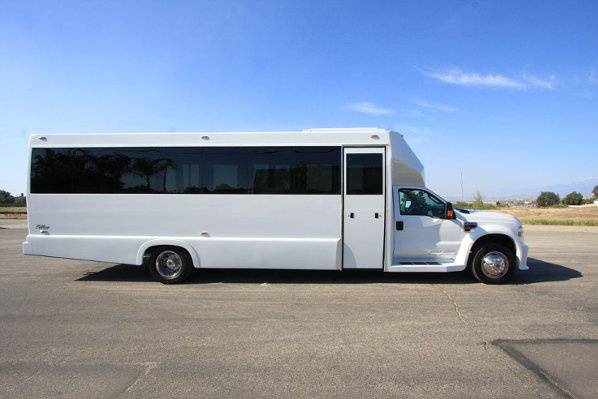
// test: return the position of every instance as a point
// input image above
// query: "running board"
(423, 267)
(420, 263)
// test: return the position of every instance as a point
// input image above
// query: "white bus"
(325, 199)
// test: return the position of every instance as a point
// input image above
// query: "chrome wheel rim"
(495, 264)
(169, 264)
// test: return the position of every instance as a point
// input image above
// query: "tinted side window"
(416, 202)
(295, 170)
(223, 170)
(187, 170)
(364, 174)
(110, 170)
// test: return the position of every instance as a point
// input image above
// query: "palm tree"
(111, 168)
(162, 165)
(146, 168)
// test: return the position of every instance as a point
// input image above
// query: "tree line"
(7, 199)
(545, 199)
(549, 198)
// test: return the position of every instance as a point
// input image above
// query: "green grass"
(12, 210)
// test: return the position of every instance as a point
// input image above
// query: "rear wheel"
(170, 265)
(493, 264)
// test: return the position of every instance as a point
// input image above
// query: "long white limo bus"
(325, 199)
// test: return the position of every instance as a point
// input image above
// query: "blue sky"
(504, 92)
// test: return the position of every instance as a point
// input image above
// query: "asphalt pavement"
(81, 329)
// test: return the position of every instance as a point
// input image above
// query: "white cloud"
(458, 77)
(534, 81)
(411, 113)
(415, 135)
(415, 139)
(435, 107)
(366, 107)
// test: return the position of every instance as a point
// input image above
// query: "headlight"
(520, 232)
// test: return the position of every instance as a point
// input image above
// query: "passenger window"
(187, 170)
(416, 202)
(364, 174)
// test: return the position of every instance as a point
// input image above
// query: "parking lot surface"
(82, 329)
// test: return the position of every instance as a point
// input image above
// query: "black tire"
(483, 274)
(170, 265)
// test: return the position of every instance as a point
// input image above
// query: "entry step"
(420, 263)
(425, 267)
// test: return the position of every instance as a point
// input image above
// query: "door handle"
(351, 215)
(376, 215)
(400, 225)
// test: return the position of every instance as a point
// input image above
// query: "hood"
(490, 217)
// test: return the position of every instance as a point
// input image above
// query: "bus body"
(325, 199)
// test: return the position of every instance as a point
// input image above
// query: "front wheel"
(493, 264)
(170, 265)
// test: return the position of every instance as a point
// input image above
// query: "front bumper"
(27, 248)
(522, 250)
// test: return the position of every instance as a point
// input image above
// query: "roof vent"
(375, 137)
(42, 138)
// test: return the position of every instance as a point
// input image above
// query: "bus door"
(364, 208)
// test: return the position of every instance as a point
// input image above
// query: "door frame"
(386, 164)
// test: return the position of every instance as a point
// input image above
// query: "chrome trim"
(495, 264)
(169, 264)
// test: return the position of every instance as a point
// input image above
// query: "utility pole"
(462, 197)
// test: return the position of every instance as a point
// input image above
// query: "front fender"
(483, 230)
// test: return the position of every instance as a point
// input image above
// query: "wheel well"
(501, 239)
(148, 252)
